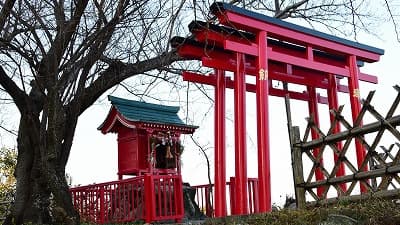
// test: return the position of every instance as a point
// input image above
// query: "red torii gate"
(250, 43)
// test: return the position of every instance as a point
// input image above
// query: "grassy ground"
(369, 212)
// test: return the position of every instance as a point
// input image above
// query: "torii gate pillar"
(354, 91)
(241, 200)
(220, 158)
(264, 176)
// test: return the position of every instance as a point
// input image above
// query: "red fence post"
(254, 205)
(102, 204)
(149, 193)
(207, 192)
(256, 196)
(180, 211)
(232, 195)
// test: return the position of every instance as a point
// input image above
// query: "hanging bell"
(168, 153)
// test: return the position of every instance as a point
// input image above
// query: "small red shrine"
(148, 136)
(149, 151)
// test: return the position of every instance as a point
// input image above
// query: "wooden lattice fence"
(378, 172)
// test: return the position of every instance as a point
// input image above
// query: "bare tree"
(58, 57)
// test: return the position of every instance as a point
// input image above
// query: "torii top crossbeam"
(249, 43)
(251, 21)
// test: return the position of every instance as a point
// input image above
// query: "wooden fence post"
(297, 166)
(102, 205)
(178, 193)
(149, 194)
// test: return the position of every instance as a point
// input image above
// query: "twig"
(9, 131)
(394, 22)
(203, 151)
(287, 11)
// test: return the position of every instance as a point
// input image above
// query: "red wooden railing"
(148, 197)
(165, 197)
(205, 199)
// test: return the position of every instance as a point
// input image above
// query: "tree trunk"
(42, 193)
(31, 197)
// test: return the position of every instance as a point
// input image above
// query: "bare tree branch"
(285, 13)
(353, 15)
(50, 62)
(98, 48)
(40, 21)
(174, 17)
(118, 72)
(8, 130)
(5, 12)
(59, 13)
(277, 6)
(393, 20)
(13, 90)
(204, 153)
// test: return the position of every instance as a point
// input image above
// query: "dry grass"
(370, 212)
(367, 212)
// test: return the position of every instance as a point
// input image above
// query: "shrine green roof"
(137, 111)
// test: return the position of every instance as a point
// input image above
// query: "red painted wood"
(355, 111)
(244, 45)
(241, 201)
(112, 202)
(297, 61)
(217, 39)
(220, 158)
(287, 58)
(303, 96)
(308, 76)
(132, 151)
(149, 200)
(240, 47)
(313, 110)
(232, 195)
(310, 53)
(262, 92)
(368, 78)
(275, 73)
(334, 105)
(250, 24)
(253, 196)
(226, 61)
(102, 208)
(199, 78)
(128, 155)
(232, 52)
